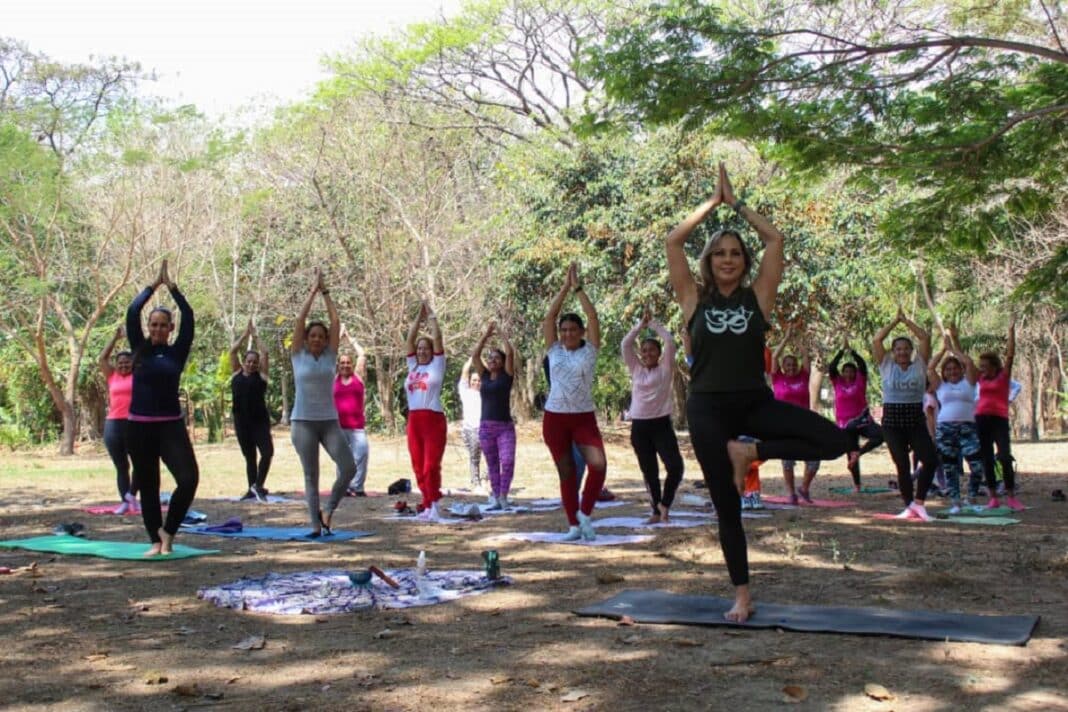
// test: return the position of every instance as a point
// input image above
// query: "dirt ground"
(92, 634)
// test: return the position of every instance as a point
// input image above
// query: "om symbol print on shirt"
(720, 320)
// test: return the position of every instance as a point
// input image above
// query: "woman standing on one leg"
(155, 429)
(904, 423)
(789, 382)
(651, 432)
(570, 415)
(313, 421)
(470, 390)
(992, 420)
(851, 404)
(252, 422)
(729, 397)
(427, 429)
(496, 431)
(349, 397)
(120, 389)
(956, 436)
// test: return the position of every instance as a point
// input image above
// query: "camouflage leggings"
(958, 441)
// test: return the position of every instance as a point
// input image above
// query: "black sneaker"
(248, 495)
(258, 494)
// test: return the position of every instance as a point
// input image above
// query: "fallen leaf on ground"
(185, 690)
(574, 696)
(531, 682)
(686, 642)
(253, 642)
(94, 657)
(627, 620)
(877, 692)
(185, 630)
(794, 693)
(232, 680)
(213, 695)
(607, 577)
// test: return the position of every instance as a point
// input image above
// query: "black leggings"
(167, 440)
(652, 437)
(994, 430)
(865, 426)
(899, 441)
(115, 442)
(785, 431)
(253, 436)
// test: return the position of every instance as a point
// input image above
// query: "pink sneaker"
(1014, 504)
(993, 503)
(920, 512)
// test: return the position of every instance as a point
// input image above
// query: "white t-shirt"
(571, 379)
(423, 386)
(471, 400)
(903, 386)
(958, 401)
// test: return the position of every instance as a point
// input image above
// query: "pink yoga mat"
(830, 503)
(110, 509)
(893, 517)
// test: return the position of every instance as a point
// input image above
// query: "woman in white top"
(652, 375)
(426, 418)
(471, 403)
(904, 377)
(569, 411)
(956, 436)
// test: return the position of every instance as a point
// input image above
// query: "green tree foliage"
(964, 103)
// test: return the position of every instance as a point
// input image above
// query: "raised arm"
(626, 347)
(679, 273)
(298, 326)
(184, 343)
(465, 375)
(235, 349)
(435, 333)
(934, 378)
(593, 324)
(509, 355)
(772, 263)
(667, 360)
(334, 333)
(413, 331)
(361, 356)
(832, 369)
(476, 355)
(776, 354)
(135, 333)
(878, 344)
(862, 366)
(923, 337)
(105, 356)
(264, 357)
(548, 325)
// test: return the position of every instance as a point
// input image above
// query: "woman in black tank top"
(726, 318)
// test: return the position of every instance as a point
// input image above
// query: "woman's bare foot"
(653, 519)
(743, 606)
(664, 517)
(166, 542)
(741, 456)
(155, 550)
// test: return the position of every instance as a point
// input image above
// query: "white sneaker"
(426, 515)
(435, 513)
(123, 508)
(906, 513)
(746, 502)
(754, 500)
(955, 509)
(586, 527)
(503, 502)
(920, 512)
(494, 503)
(258, 494)
(573, 534)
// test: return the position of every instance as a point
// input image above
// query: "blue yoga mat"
(664, 607)
(283, 534)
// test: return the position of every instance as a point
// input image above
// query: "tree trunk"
(285, 389)
(680, 382)
(1035, 368)
(522, 405)
(383, 381)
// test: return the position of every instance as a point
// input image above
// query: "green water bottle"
(491, 561)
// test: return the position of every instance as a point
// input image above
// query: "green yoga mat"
(125, 550)
(969, 512)
(863, 490)
(985, 520)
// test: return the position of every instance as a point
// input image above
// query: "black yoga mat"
(664, 607)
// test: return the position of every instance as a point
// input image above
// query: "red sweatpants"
(560, 430)
(426, 446)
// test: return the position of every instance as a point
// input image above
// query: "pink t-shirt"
(850, 399)
(994, 395)
(791, 389)
(348, 399)
(651, 391)
(120, 392)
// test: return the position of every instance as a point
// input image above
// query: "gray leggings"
(306, 436)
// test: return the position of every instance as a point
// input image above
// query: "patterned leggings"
(958, 441)
(497, 439)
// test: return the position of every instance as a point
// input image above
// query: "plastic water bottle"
(420, 575)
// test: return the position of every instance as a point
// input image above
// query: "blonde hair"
(704, 262)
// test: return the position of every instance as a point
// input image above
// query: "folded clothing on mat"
(331, 591)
